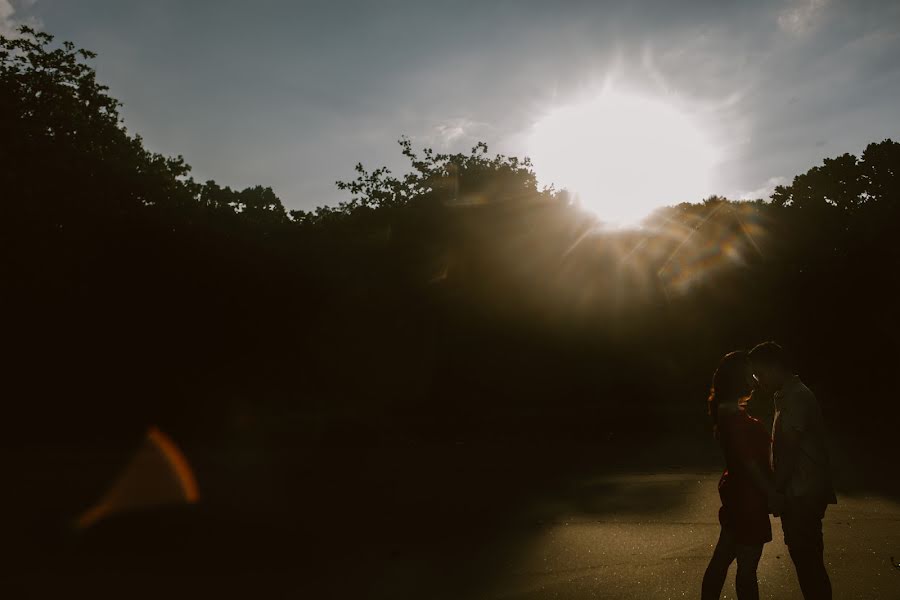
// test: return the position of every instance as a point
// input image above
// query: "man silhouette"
(800, 462)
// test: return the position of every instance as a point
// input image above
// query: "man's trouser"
(802, 525)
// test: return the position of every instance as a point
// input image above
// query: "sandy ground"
(653, 535)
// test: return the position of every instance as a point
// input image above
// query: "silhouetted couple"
(786, 475)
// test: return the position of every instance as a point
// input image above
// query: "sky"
(293, 94)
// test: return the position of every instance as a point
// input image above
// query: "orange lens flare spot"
(178, 462)
(157, 475)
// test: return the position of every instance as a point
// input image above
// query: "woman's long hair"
(729, 383)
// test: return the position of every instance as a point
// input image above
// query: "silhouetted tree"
(457, 293)
(880, 166)
(846, 182)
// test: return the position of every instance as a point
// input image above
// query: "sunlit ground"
(623, 155)
(493, 521)
(651, 536)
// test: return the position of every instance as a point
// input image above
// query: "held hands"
(776, 503)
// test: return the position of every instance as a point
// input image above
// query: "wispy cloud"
(458, 130)
(764, 191)
(801, 16)
(10, 21)
(7, 11)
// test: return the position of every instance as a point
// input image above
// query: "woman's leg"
(745, 583)
(717, 571)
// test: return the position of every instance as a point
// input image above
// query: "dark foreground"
(614, 519)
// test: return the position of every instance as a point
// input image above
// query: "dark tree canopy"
(67, 150)
(846, 182)
(457, 294)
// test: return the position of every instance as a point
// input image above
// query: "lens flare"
(158, 475)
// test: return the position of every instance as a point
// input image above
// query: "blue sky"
(293, 94)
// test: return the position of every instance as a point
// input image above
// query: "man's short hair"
(769, 354)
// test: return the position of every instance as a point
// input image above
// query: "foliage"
(449, 179)
(846, 182)
(56, 117)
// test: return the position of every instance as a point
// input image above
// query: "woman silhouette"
(745, 486)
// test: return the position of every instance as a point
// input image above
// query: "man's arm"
(793, 425)
(788, 452)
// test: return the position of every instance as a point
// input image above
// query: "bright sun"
(623, 155)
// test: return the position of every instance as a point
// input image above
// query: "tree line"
(457, 297)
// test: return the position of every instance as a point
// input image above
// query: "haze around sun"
(623, 155)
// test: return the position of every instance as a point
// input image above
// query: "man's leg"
(802, 526)
(717, 571)
(745, 583)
